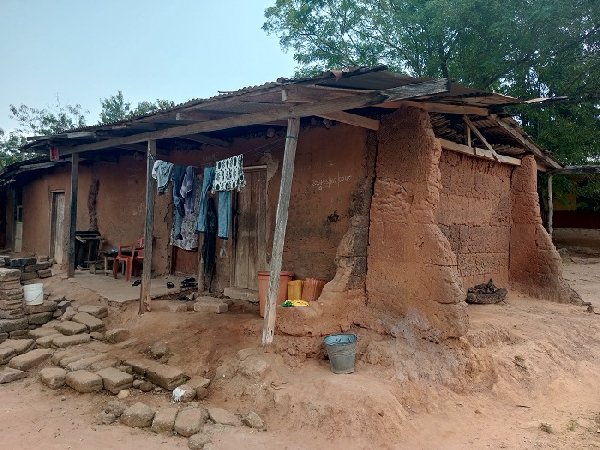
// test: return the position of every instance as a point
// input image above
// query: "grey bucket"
(341, 349)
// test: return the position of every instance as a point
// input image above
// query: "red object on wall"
(53, 153)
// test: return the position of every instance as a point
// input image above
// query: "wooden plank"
(73, 214)
(148, 230)
(474, 129)
(525, 142)
(353, 119)
(577, 170)
(202, 139)
(287, 175)
(444, 108)
(479, 152)
(277, 112)
(550, 205)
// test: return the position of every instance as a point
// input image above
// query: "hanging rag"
(161, 172)
(189, 235)
(178, 173)
(229, 174)
(209, 246)
(224, 213)
(188, 189)
(209, 176)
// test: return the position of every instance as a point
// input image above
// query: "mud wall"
(474, 215)
(412, 279)
(535, 265)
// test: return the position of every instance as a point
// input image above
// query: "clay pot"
(263, 288)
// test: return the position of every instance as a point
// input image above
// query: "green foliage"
(523, 48)
(9, 147)
(115, 108)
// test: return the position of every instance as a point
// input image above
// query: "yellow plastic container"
(294, 290)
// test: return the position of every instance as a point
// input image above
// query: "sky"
(85, 50)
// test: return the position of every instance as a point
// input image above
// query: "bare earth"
(524, 363)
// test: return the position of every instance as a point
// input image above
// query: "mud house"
(400, 192)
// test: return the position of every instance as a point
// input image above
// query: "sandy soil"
(524, 363)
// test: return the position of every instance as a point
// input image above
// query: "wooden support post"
(73, 214)
(148, 229)
(550, 205)
(287, 175)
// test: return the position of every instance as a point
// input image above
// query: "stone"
(115, 407)
(68, 314)
(104, 418)
(69, 328)
(167, 377)
(126, 369)
(6, 326)
(224, 417)
(254, 368)
(53, 377)
(99, 312)
(201, 393)
(198, 382)
(16, 303)
(84, 381)
(209, 304)
(110, 362)
(63, 305)
(46, 306)
(114, 380)
(138, 415)
(64, 357)
(123, 394)
(42, 332)
(28, 276)
(30, 268)
(12, 314)
(189, 421)
(159, 349)
(18, 345)
(136, 384)
(39, 318)
(164, 420)
(9, 274)
(139, 366)
(146, 386)
(51, 324)
(18, 334)
(8, 375)
(45, 273)
(68, 341)
(9, 285)
(116, 335)
(6, 354)
(253, 420)
(85, 363)
(57, 314)
(22, 262)
(186, 393)
(198, 441)
(46, 341)
(3, 337)
(30, 359)
(91, 322)
(97, 336)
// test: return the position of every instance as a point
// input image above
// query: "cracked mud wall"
(412, 280)
(535, 265)
(474, 215)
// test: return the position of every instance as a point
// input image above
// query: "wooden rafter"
(353, 119)
(474, 129)
(443, 108)
(479, 152)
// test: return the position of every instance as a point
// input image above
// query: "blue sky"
(85, 50)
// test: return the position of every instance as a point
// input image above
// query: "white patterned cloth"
(188, 227)
(229, 174)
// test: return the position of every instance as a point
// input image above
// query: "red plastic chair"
(126, 254)
(138, 257)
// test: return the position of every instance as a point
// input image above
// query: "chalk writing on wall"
(330, 181)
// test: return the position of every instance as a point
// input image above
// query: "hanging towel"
(188, 189)
(209, 176)
(209, 246)
(229, 174)
(161, 172)
(189, 236)
(178, 174)
(224, 213)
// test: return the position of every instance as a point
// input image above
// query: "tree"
(523, 48)
(9, 147)
(115, 108)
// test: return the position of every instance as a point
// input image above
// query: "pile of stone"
(30, 267)
(17, 318)
(486, 293)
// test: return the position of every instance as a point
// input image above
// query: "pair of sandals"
(189, 282)
(136, 283)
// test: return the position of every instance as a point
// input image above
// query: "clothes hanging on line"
(229, 174)
(209, 176)
(189, 237)
(161, 172)
(209, 246)
(188, 189)
(224, 212)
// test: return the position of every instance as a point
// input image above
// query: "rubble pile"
(30, 267)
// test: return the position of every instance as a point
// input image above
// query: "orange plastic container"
(312, 289)
(263, 288)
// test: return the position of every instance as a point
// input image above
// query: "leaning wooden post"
(73, 213)
(550, 204)
(287, 174)
(148, 229)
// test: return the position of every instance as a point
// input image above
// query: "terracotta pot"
(312, 289)
(263, 288)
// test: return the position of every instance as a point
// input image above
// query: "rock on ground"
(18, 345)
(6, 354)
(69, 328)
(198, 441)
(253, 420)
(99, 312)
(53, 377)
(159, 349)
(46, 341)
(115, 407)
(116, 335)
(167, 377)
(91, 322)
(31, 359)
(9, 375)
(114, 380)
(164, 420)
(224, 417)
(198, 382)
(105, 418)
(68, 341)
(189, 393)
(189, 421)
(138, 415)
(84, 381)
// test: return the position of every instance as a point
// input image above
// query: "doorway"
(250, 230)
(57, 226)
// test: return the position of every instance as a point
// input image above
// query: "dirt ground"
(524, 363)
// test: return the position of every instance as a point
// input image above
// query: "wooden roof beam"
(444, 108)
(479, 152)
(277, 112)
(352, 119)
(202, 139)
(576, 170)
(474, 129)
